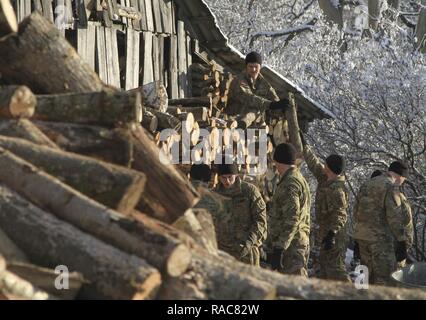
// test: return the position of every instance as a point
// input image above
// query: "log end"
(178, 261)
(9, 16)
(22, 103)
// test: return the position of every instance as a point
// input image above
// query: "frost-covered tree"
(374, 83)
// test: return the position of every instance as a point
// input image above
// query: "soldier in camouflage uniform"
(250, 92)
(331, 203)
(245, 227)
(407, 220)
(379, 221)
(289, 222)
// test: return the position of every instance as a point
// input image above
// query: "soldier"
(331, 203)
(379, 220)
(250, 92)
(246, 226)
(290, 215)
(217, 205)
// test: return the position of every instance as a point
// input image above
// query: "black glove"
(329, 240)
(302, 138)
(275, 258)
(357, 254)
(401, 251)
(282, 104)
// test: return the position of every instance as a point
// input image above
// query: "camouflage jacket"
(331, 199)
(407, 219)
(378, 211)
(290, 213)
(247, 219)
(246, 95)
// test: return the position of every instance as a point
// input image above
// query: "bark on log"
(209, 279)
(100, 108)
(192, 102)
(25, 129)
(114, 186)
(16, 102)
(199, 113)
(293, 126)
(8, 22)
(41, 58)
(198, 224)
(166, 120)
(154, 95)
(164, 182)
(49, 242)
(149, 121)
(296, 287)
(164, 253)
(44, 279)
(9, 250)
(93, 141)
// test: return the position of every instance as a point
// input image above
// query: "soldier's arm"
(241, 92)
(273, 94)
(258, 230)
(337, 204)
(289, 215)
(393, 213)
(314, 164)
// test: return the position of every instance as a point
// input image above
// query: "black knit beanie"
(400, 168)
(285, 153)
(336, 163)
(201, 172)
(253, 57)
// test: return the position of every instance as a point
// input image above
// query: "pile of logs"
(85, 203)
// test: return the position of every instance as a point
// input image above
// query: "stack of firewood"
(85, 203)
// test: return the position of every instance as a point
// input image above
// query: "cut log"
(93, 141)
(209, 279)
(296, 287)
(50, 242)
(25, 129)
(199, 113)
(149, 121)
(16, 102)
(8, 22)
(293, 126)
(41, 58)
(9, 250)
(164, 182)
(67, 204)
(166, 120)
(44, 279)
(101, 108)
(114, 186)
(154, 95)
(192, 102)
(198, 223)
(246, 120)
(17, 288)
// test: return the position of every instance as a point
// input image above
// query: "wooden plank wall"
(155, 48)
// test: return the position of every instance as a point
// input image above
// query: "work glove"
(246, 249)
(357, 254)
(401, 251)
(275, 258)
(329, 240)
(282, 104)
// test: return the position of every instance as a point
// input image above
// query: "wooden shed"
(133, 42)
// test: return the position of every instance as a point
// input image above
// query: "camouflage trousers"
(294, 260)
(332, 262)
(379, 257)
(253, 258)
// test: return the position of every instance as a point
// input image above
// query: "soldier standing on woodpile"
(246, 226)
(250, 92)
(379, 221)
(331, 203)
(289, 222)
